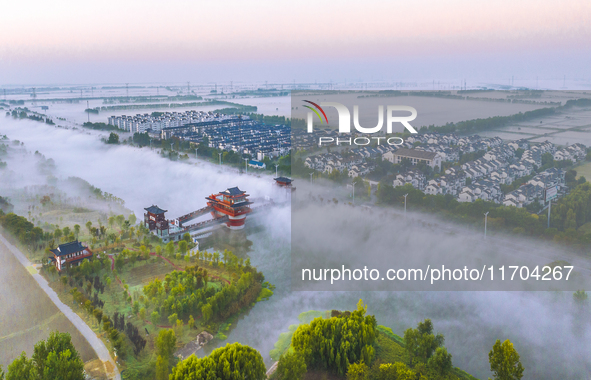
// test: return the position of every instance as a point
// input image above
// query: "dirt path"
(98, 346)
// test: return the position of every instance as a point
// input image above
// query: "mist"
(551, 336)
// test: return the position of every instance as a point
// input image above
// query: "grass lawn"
(584, 170)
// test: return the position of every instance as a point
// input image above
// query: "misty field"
(28, 314)
(565, 128)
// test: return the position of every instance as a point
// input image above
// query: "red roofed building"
(232, 203)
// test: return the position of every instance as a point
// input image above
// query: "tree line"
(568, 213)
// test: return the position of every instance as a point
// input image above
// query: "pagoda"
(232, 203)
(155, 220)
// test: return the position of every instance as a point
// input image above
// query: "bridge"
(194, 215)
(228, 207)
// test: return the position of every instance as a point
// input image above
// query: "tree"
(113, 138)
(161, 368)
(172, 319)
(119, 262)
(580, 297)
(183, 246)
(132, 219)
(440, 362)
(169, 248)
(21, 369)
(207, 312)
(187, 237)
(57, 234)
(55, 358)
(358, 371)
(155, 317)
(98, 314)
(191, 322)
(337, 342)
(504, 361)
(120, 219)
(291, 366)
(77, 230)
(165, 343)
(398, 371)
(421, 343)
(232, 362)
(143, 313)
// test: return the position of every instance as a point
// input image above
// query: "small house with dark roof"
(69, 255)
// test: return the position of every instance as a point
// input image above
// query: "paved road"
(99, 347)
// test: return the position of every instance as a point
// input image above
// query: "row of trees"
(568, 213)
(344, 344)
(472, 126)
(22, 229)
(233, 297)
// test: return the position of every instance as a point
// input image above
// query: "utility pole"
(405, 195)
(276, 167)
(171, 145)
(485, 221)
(311, 174)
(220, 158)
(549, 210)
(196, 149)
(246, 164)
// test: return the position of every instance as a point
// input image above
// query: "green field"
(584, 170)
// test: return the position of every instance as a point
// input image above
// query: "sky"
(144, 41)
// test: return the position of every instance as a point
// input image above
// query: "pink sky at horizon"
(42, 34)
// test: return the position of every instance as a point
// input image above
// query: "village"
(468, 167)
(238, 133)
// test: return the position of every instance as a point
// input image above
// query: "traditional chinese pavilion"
(284, 182)
(232, 203)
(69, 255)
(155, 220)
